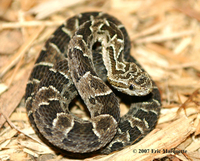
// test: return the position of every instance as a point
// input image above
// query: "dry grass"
(165, 39)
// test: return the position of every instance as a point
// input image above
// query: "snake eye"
(131, 87)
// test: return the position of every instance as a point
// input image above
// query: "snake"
(89, 56)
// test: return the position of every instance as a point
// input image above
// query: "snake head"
(135, 83)
(140, 85)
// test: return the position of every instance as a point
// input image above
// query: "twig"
(16, 128)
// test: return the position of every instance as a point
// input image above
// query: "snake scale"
(89, 55)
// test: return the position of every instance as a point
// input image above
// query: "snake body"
(88, 50)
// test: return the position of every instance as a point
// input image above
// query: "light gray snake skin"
(83, 54)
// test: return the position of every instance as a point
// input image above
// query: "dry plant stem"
(15, 70)
(43, 10)
(189, 11)
(15, 93)
(149, 31)
(190, 99)
(161, 38)
(168, 54)
(17, 56)
(14, 25)
(197, 132)
(16, 128)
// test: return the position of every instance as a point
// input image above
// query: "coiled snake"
(83, 53)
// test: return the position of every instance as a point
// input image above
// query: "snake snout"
(140, 86)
